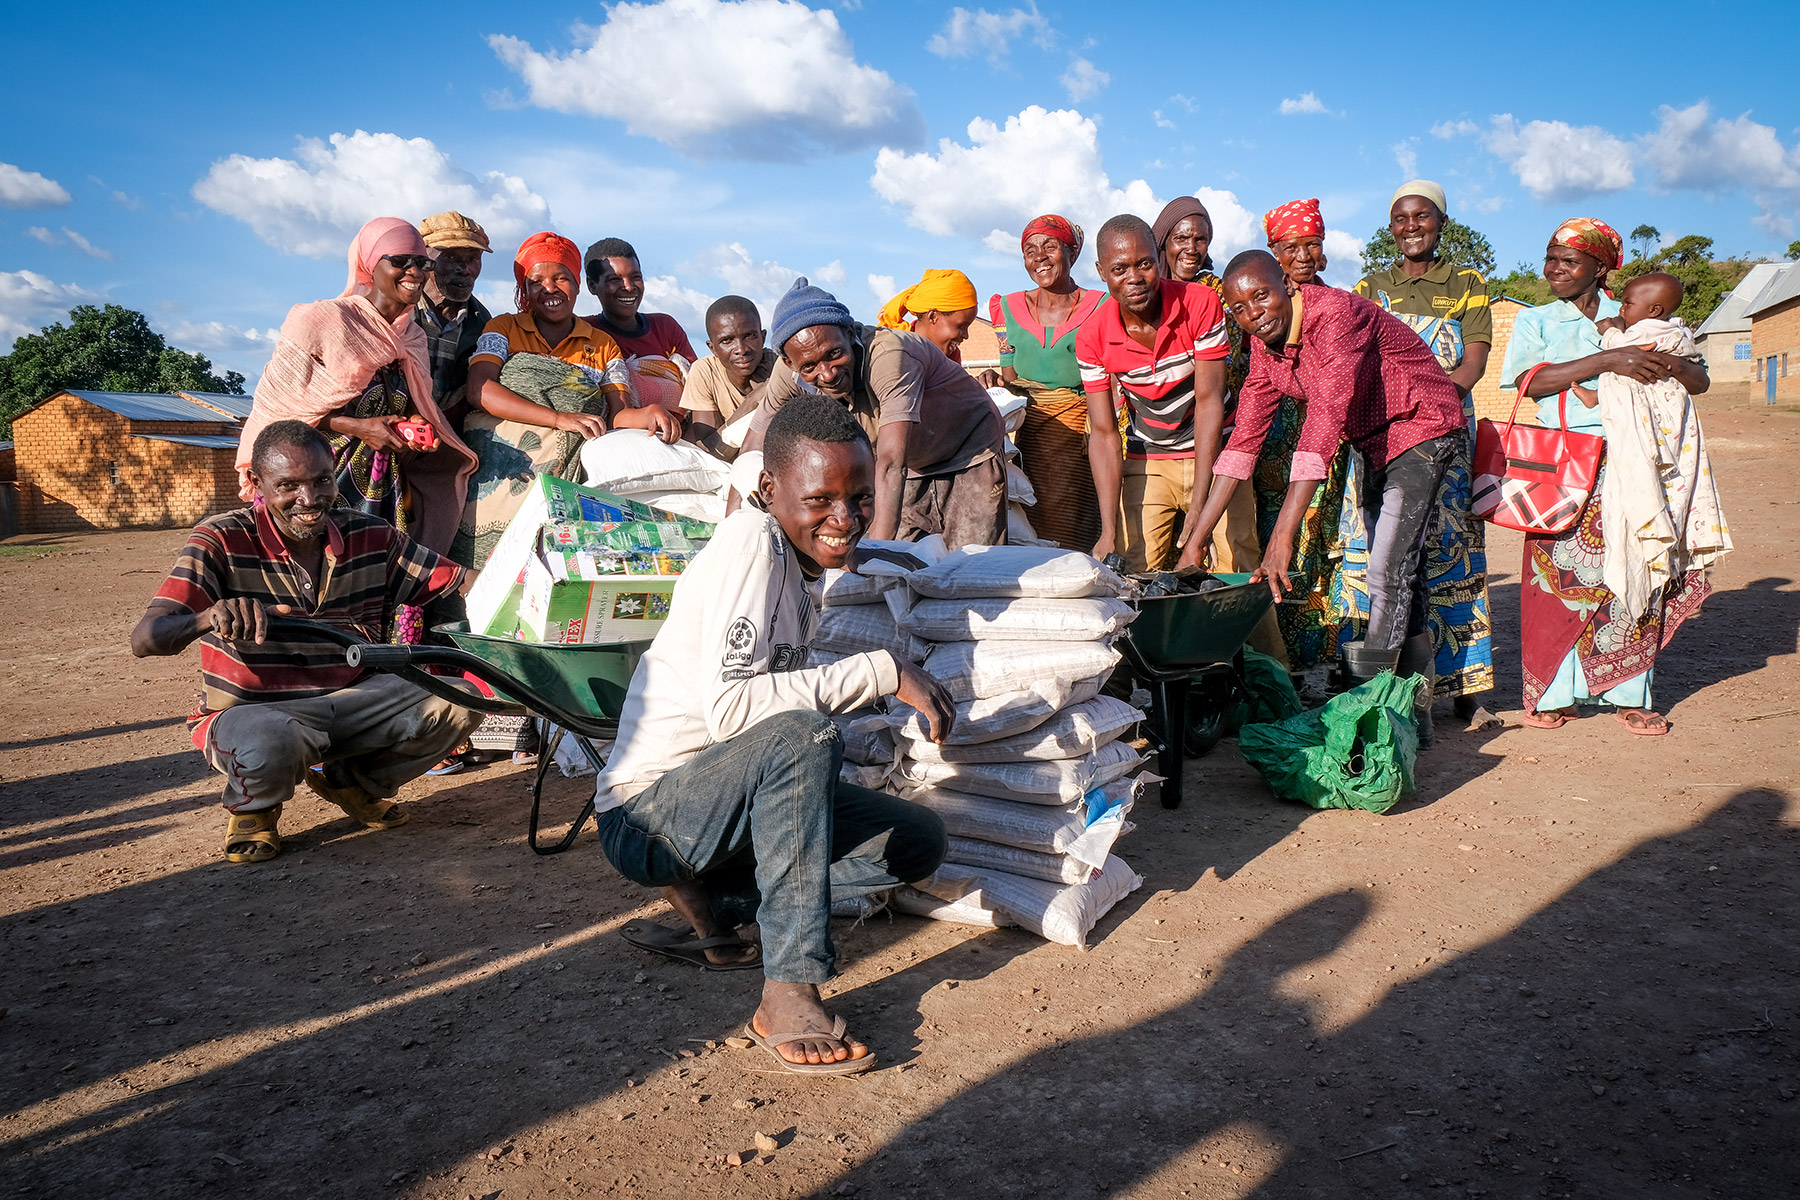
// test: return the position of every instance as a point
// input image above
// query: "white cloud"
(29, 301)
(1556, 160)
(990, 33)
(216, 338)
(832, 273)
(1235, 228)
(127, 200)
(768, 80)
(20, 188)
(1037, 162)
(86, 247)
(1686, 151)
(1454, 129)
(665, 293)
(1407, 157)
(1162, 122)
(1343, 258)
(1307, 104)
(1186, 102)
(882, 288)
(763, 282)
(314, 203)
(1083, 79)
(43, 235)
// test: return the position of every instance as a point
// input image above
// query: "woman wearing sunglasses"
(356, 368)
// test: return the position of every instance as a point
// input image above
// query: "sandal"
(773, 1042)
(682, 946)
(1556, 718)
(366, 810)
(1647, 724)
(255, 832)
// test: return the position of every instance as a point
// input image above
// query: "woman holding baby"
(1581, 643)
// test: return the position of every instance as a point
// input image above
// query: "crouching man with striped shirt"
(272, 708)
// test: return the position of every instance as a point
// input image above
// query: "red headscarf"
(1296, 218)
(543, 248)
(1064, 231)
(1596, 239)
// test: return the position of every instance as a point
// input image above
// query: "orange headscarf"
(542, 248)
(941, 289)
(1596, 239)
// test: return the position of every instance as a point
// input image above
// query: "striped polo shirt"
(370, 568)
(1156, 385)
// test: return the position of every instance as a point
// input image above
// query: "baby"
(1659, 509)
(1652, 297)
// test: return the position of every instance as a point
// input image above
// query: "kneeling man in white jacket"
(723, 786)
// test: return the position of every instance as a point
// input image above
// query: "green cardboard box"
(614, 609)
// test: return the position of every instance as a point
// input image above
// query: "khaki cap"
(453, 231)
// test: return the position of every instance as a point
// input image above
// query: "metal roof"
(1782, 288)
(151, 406)
(206, 441)
(1733, 313)
(237, 405)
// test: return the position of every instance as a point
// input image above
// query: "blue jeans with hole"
(765, 822)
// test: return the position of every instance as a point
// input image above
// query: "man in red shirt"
(1164, 344)
(273, 705)
(1363, 379)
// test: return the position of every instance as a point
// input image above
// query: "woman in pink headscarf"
(355, 367)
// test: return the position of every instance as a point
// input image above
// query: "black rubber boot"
(1361, 664)
(1419, 657)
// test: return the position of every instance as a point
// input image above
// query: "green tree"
(111, 349)
(1793, 251)
(1459, 244)
(1644, 239)
(1521, 283)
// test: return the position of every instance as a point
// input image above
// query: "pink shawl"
(328, 352)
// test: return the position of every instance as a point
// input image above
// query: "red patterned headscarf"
(543, 248)
(1596, 239)
(1064, 231)
(1296, 218)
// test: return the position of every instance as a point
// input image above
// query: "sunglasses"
(403, 263)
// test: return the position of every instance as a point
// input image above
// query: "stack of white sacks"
(1034, 782)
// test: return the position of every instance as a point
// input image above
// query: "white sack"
(1019, 531)
(994, 717)
(1028, 619)
(628, 462)
(859, 628)
(1012, 407)
(1028, 864)
(868, 741)
(1018, 485)
(1004, 572)
(868, 583)
(1059, 914)
(1066, 830)
(1079, 729)
(1055, 781)
(702, 506)
(973, 669)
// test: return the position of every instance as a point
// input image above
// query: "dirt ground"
(1566, 968)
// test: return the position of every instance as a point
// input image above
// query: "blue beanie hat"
(804, 306)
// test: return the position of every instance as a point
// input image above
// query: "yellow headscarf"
(941, 289)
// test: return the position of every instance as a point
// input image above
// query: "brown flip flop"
(1642, 726)
(774, 1042)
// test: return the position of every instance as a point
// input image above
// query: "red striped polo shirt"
(370, 569)
(1157, 385)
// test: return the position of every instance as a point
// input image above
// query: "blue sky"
(210, 170)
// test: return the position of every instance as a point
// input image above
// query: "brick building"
(1775, 337)
(1723, 339)
(119, 460)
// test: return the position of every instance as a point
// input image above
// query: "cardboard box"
(615, 609)
(494, 601)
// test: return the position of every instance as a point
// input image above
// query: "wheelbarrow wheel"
(1206, 730)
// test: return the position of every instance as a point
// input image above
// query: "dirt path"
(1566, 969)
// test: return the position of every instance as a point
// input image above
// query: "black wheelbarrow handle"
(407, 661)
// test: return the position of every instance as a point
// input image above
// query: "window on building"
(112, 472)
(1784, 364)
(1741, 352)
(1759, 378)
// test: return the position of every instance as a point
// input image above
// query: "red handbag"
(1530, 478)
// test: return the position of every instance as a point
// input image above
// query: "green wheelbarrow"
(575, 691)
(1189, 651)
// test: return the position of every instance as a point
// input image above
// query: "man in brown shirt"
(728, 383)
(940, 462)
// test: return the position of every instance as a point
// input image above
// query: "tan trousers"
(1154, 495)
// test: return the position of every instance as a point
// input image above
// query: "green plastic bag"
(1272, 694)
(1356, 752)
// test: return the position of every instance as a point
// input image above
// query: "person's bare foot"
(691, 902)
(792, 1007)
